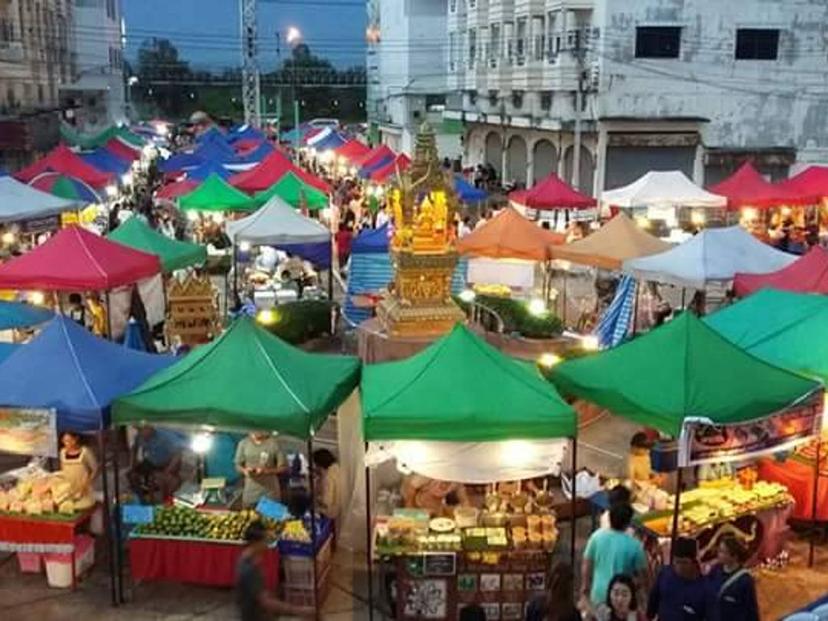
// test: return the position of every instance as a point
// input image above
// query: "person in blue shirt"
(679, 592)
(731, 591)
(155, 471)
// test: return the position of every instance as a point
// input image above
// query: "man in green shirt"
(260, 461)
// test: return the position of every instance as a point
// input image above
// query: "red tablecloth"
(799, 479)
(24, 529)
(193, 562)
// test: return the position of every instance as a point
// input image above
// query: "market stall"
(720, 405)
(270, 170)
(808, 274)
(295, 193)
(466, 421)
(61, 159)
(550, 197)
(173, 254)
(20, 203)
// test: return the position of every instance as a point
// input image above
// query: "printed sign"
(28, 432)
(271, 509)
(137, 514)
(701, 443)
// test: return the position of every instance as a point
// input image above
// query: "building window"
(517, 99)
(546, 100)
(40, 94)
(472, 47)
(757, 44)
(492, 98)
(494, 45)
(657, 41)
(452, 6)
(452, 51)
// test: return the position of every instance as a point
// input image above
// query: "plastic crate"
(324, 528)
(304, 597)
(29, 562)
(299, 569)
(59, 566)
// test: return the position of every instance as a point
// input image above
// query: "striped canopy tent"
(105, 160)
(270, 170)
(389, 171)
(61, 159)
(66, 187)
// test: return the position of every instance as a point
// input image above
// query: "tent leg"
(563, 297)
(118, 522)
(368, 556)
(635, 308)
(683, 295)
(235, 275)
(574, 502)
(107, 521)
(814, 503)
(676, 510)
(330, 280)
(312, 484)
(109, 318)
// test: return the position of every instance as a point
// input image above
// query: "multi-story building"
(638, 85)
(407, 71)
(95, 95)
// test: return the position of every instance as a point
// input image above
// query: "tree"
(160, 74)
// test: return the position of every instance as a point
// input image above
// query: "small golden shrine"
(422, 250)
(193, 315)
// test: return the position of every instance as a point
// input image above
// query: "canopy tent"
(747, 188)
(173, 254)
(619, 240)
(552, 193)
(201, 172)
(294, 192)
(180, 161)
(296, 135)
(807, 274)
(255, 155)
(813, 181)
(277, 223)
(176, 189)
(215, 194)
(662, 189)
(71, 136)
(65, 187)
(353, 150)
(216, 152)
(76, 260)
(19, 202)
(62, 160)
(460, 388)
(314, 138)
(467, 192)
(781, 327)
(272, 168)
(77, 373)
(366, 170)
(372, 241)
(245, 132)
(211, 134)
(394, 167)
(124, 150)
(15, 315)
(680, 370)
(331, 141)
(245, 379)
(381, 153)
(712, 255)
(103, 159)
(509, 236)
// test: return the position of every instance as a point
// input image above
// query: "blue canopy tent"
(370, 271)
(106, 161)
(216, 152)
(365, 171)
(7, 349)
(244, 132)
(467, 192)
(20, 315)
(180, 161)
(67, 368)
(212, 134)
(206, 169)
(256, 155)
(331, 141)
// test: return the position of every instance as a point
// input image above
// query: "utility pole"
(251, 90)
(576, 156)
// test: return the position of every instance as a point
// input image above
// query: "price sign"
(272, 509)
(137, 514)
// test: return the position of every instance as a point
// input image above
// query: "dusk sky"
(206, 32)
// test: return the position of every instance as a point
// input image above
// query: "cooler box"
(29, 562)
(664, 456)
(59, 566)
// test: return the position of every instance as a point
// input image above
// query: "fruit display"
(43, 495)
(187, 523)
(294, 530)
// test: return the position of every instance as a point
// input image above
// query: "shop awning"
(714, 255)
(662, 189)
(245, 379)
(215, 194)
(19, 201)
(76, 260)
(747, 188)
(294, 192)
(62, 160)
(813, 181)
(552, 193)
(76, 373)
(272, 168)
(461, 389)
(277, 224)
(807, 274)
(617, 241)
(173, 254)
(509, 236)
(683, 369)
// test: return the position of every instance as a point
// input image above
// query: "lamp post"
(294, 37)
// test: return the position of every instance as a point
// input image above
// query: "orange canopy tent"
(509, 236)
(618, 240)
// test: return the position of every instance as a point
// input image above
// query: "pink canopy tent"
(77, 260)
(808, 274)
(552, 193)
(61, 159)
(747, 188)
(269, 171)
(123, 150)
(353, 150)
(813, 181)
(374, 156)
(175, 189)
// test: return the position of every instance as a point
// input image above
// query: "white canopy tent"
(661, 189)
(714, 255)
(277, 223)
(19, 201)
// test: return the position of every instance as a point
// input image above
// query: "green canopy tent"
(215, 194)
(91, 141)
(789, 330)
(295, 192)
(173, 254)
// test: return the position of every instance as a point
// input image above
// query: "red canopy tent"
(269, 171)
(808, 274)
(353, 150)
(552, 193)
(61, 159)
(374, 156)
(747, 188)
(401, 162)
(122, 150)
(175, 189)
(812, 181)
(77, 260)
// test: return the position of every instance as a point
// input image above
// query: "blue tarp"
(366, 171)
(180, 161)
(371, 241)
(467, 192)
(106, 161)
(19, 315)
(207, 169)
(67, 368)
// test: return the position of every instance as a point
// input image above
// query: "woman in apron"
(79, 468)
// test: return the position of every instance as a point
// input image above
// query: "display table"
(798, 477)
(41, 535)
(192, 561)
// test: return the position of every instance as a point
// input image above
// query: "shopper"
(260, 461)
(609, 553)
(679, 592)
(618, 495)
(343, 239)
(329, 490)
(621, 603)
(254, 601)
(556, 604)
(731, 591)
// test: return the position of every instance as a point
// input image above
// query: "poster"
(704, 443)
(28, 432)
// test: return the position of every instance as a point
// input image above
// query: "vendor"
(639, 468)
(329, 496)
(155, 471)
(436, 497)
(79, 468)
(260, 461)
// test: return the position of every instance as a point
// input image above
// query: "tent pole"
(635, 308)
(683, 294)
(563, 297)
(109, 318)
(676, 509)
(368, 556)
(330, 280)
(312, 483)
(574, 501)
(118, 528)
(814, 503)
(107, 522)
(235, 269)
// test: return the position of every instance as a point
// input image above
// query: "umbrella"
(65, 186)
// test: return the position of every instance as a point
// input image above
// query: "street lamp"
(294, 37)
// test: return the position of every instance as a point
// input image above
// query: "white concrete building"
(407, 72)
(97, 91)
(694, 85)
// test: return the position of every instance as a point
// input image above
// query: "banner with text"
(29, 432)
